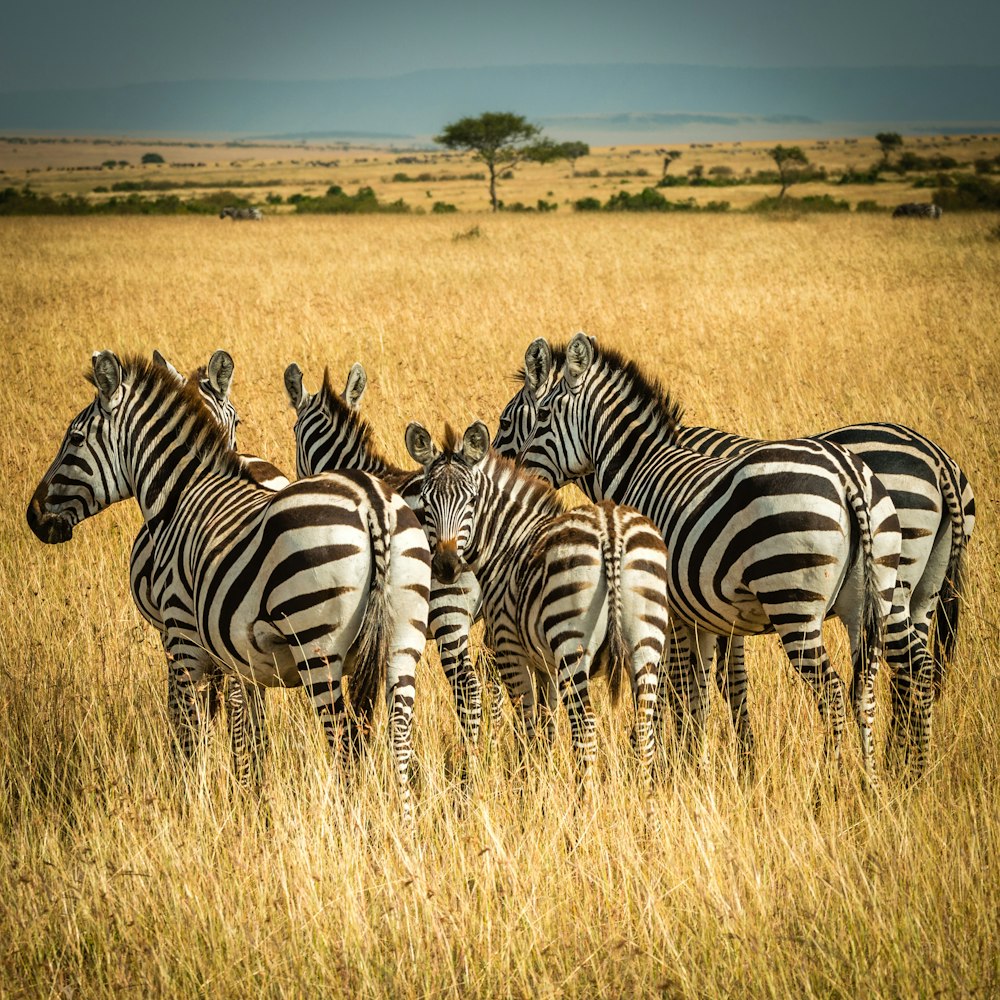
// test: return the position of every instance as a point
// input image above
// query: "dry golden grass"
(120, 877)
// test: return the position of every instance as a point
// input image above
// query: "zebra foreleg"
(449, 624)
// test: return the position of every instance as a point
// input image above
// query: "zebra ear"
(579, 357)
(107, 376)
(297, 394)
(475, 442)
(537, 363)
(357, 380)
(220, 372)
(420, 445)
(159, 359)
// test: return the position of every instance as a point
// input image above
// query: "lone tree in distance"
(784, 157)
(499, 138)
(888, 142)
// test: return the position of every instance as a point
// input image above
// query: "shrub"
(811, 203)
(443, 208)
(337, 202)
(969, 193)
(587, 205)
(152, 158)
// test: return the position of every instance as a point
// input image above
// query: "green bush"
(969, 193)
(152, 158)
(337, 202)
(811, 203)
(587, 205)
(443, 208)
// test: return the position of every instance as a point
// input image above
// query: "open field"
(56, 166)
(120, 877)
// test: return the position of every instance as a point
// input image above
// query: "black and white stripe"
(567, 594)
(323, 579)
(772, 540)
(241, 214)
(917, 210)
(331, 434)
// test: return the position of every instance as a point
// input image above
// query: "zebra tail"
(948, 603)
(373, 640)
(872, 615)
(612, 546)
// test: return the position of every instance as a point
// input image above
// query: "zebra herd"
(696, 539)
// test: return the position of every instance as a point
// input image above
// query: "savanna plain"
(122, 874)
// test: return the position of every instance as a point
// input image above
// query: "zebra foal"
(241, 214)
(323, 579)
(774, 539)
(568, 595)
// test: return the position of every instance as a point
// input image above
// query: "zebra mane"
(649, 391)
(208, 439)
(341, 415)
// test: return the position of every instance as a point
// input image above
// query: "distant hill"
(590, 102)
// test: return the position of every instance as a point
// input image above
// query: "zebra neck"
(510, 512)
(623, 440)
(164, 461)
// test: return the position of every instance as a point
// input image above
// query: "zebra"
(325, 578)
(934, 503)
(571, 594)
(331, 434)
(917, 210)
(214, 381)
(241, 214)
(774, 539)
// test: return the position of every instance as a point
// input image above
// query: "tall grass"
(120, 875)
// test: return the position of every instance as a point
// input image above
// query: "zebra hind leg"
(731, 680)
(802, 640)
(911, 700)
(248, 734)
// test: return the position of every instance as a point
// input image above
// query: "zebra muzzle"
(446, 564)
(49, 528)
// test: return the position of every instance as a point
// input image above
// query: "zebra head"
(326, 422)
(451, 488)
(541, 368)
(555, 448)
(87, 474)
(214, 382)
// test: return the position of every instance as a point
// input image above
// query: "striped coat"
(322, 580)
(775, 539)
(331, 434)
(570, 594)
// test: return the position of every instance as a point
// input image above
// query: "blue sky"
(60, 44)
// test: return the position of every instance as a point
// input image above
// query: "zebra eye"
(77, 437)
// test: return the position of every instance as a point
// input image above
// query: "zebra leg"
(802, 641)
(645, 668)
(912, 696)
(184, 706)
(248, 733)
(865, 661)
(731, 680)
(574, 683)
(674, 683)
(517, 680)
(449, 621)
(547, 699)
(400, 689)
(701, 664)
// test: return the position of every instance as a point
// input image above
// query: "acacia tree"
(785, 157)
(888, 142)
(669, 155)
(499, 138)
